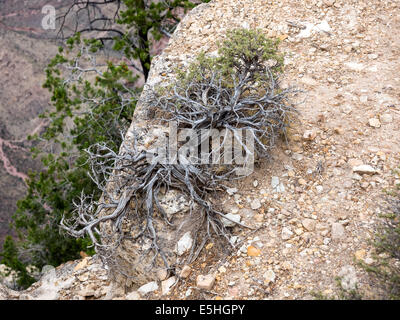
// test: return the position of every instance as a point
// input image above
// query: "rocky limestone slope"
(317, 203)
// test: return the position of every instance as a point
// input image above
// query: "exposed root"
(249, 100)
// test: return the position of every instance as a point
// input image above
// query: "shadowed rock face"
(134, 264)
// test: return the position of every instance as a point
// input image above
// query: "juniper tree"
(239, 89)
(127, 26)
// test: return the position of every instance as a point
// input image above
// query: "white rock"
(147, 288)
(276, 185)
(337, 231)
(229, 223)
(374, 122)
(233, 239)
(83, 277)
(286, 233)
(49, 286)
(364, 169)
(307, 31)
(281, 188)
(354, 66)
(4, 292)
(9, 281)
(386, 118)
(297, 156)
(188, 292)
(248, 213)
(310, 28)
(134, 295)
(222, 269)
(162, 274)
(347, 109)
(243, 249)
(184, 244)
(274, 182)
(245, 25)
(231, 191)
(309, 81)
(269, 276)
(256, 204)
(167, 284)
(234, 210)
(356, 177)
(323, 26)
(348, 277)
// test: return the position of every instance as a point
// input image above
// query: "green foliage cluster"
(243, 52)
(246, 48)
(144, 20)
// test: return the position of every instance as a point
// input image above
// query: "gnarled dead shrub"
(237, 91)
